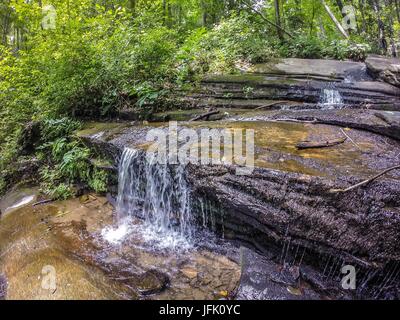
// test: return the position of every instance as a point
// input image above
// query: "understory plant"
(66, 161)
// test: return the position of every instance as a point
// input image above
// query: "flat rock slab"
(330, 69)
(276, 144)
(384, 69)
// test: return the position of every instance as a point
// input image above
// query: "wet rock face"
(385, 123)
(272, 206)
(302, 90)
(30, 138)
(384, 69)
(264, 279)
(288, 195)
(3, 287)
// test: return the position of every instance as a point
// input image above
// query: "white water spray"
(157, 193)
(331, 99)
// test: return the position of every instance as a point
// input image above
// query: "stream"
(193, 231)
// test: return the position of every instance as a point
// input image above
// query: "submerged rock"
(63, 241)
(259, 281)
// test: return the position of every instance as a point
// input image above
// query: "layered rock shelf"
(288, 202)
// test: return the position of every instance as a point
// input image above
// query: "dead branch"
(42, 202)
(270, 105)
(205, 115)
(383, 118)
(363, 183)
(334, 20)
(319, 144)
(314, 121)
(348, 137)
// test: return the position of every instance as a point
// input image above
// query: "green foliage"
(99, 181)
(304, 46)
(52, 129)
(104, 57)
(220, 49)
(67, 161)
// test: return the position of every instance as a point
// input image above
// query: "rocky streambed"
(288, 230)
(76, 241)
(289, 209)
(286, 209)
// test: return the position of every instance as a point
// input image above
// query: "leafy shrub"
(358, 52)
(344, 49)
(67, 161)
(218, 50)
(303, 47)
(315, 48)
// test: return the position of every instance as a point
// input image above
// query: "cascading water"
(331, 98)
(157, 193)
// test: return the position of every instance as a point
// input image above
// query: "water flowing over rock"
(297, 83)
(286, 208)
(156, 192)
(331, 99)
(317, 218)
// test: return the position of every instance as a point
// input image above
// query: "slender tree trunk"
(361, 5)
(397, 5)
(335, 21)
(381, 26)
(278, 19)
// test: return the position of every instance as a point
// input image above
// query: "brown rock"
(384, 69)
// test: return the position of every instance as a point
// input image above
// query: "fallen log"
(319, 144)
(205, 116)
(42, 202)
(365, 182)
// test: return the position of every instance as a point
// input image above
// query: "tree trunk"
(335, 21)
(381, 27)
(278, 19)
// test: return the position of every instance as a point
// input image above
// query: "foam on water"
(116, 235)
(22, 202)
(331, 99)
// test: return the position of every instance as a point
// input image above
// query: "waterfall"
(157, 193)
(331, 98)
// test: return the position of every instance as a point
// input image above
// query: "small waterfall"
(157, 193)
(331, 98)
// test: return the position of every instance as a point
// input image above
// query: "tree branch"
(249, 6)
(363, 183)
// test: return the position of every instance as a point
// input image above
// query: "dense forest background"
(62, 59)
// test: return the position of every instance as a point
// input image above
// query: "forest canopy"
(65, 59)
